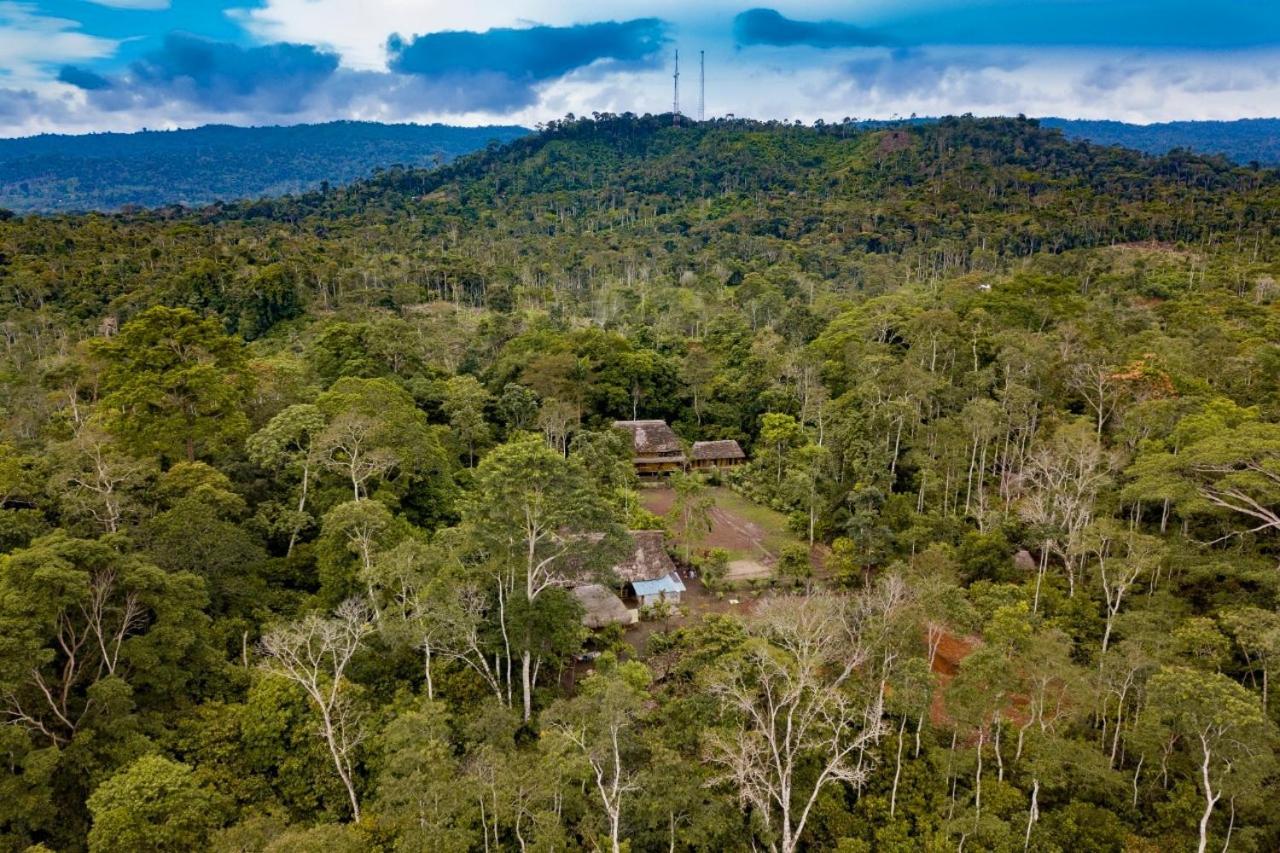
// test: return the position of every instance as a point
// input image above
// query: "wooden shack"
(705, 455)
(656, 449)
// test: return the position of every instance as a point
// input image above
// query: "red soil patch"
(946, 663)
(894, 140)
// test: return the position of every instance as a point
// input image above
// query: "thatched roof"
(651, 438)
(716, 451)
(602, 606)
(648, 560)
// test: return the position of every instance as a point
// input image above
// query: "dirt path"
(729, 530)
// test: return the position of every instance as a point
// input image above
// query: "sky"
(79, 66)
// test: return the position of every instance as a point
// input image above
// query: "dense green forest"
(109, 171)
(293, 492)
(1247, 140)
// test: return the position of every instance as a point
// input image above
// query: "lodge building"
(657, 449)
(716, 455)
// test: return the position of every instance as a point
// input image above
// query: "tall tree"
(1215, 728)
(535, 518)
(174, 384)
(314, 653)
(798, 718)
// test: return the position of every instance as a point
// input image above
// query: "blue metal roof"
(668, 584)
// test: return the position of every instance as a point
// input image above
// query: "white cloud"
(358, 31)
(147, 5)
(797, 83)
(30, 43)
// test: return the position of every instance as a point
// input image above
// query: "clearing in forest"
(753, 535)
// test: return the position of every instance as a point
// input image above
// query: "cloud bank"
(770, 27)
(505, 64)
(76, 65)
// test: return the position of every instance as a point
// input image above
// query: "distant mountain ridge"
(1243, 140)
(108, 171)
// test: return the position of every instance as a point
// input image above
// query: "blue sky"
(86, 65)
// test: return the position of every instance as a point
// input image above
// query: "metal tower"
(675, 92)
(702, 85)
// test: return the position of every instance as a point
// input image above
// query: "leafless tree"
(1059, 487)
(349, 446)
(800, 696)
(1097, 384)
(314, 653)
(94, 479)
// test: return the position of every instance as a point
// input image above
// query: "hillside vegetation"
(292, 491)
(109, 171)
(1250, 140)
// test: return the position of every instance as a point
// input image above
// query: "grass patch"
(773, 524)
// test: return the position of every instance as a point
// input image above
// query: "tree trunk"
(1034, 813)
(1210, 799)
(426, 669)
(526, 683)
(339, 763)
(897, 771)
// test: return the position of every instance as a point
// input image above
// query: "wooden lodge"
(716, 455)
(656, 447)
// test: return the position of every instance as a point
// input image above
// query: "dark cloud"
(212, 75)
(82, 78)
(220, 75)
(1109, 77)
(495, 70)
(770, 27)
(500, 67)
(18, 104)
(905, 74)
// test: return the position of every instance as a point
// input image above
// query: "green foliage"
(206, 165)
(1017, 396)
(174, 385)
(154, 804)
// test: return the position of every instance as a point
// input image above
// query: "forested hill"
(107, 171)
(1255, 140)
(302, 502)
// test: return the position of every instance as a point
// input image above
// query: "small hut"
(708, 455)
(601, 607)
(667, 588)
(649, 571)
(656, 449)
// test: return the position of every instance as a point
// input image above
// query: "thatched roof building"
(715, 454)
(656, 449)
(602, 607)
(648, 560)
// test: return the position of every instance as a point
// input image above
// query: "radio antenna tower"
(675, 92)
(702, 85)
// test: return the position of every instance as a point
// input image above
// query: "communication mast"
(675, 92)
(702, 85)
